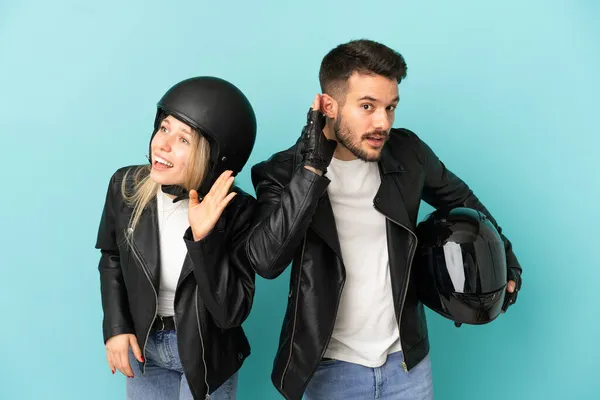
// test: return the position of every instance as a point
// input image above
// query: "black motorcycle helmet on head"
(220, 112)
(460, 266)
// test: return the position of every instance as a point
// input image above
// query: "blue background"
(505, 92)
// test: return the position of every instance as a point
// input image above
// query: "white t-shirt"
(172, 224)
(366, 329)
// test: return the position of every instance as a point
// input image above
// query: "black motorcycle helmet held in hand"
(460, 266)
(220, 112)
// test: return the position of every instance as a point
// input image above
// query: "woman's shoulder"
(130, 173)
(126, 178)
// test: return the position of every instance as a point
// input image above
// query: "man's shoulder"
(404, 144)
(403, 136)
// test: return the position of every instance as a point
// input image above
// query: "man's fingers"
(510, 287)
(316, 105)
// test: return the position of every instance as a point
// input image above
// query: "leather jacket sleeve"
(223, 273)
(444, 189)
(287, 200)
(117, 319)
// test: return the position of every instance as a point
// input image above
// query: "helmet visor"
(475, 267)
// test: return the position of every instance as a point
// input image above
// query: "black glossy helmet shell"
(460, 266)
(221, 113)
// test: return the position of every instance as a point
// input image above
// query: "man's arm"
(282, 217)
(444, 189)
(287, 200)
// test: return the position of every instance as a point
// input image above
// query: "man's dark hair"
(358, 56)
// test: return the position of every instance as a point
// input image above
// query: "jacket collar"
(389, 163)
(389, 200)
(146, 238)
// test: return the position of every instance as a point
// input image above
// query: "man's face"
(364, 121)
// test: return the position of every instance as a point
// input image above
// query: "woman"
(175, 282)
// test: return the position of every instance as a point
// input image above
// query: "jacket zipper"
(337, 306)
(296, 310)
(176, 330)
(405, 289)
(295, 313)
(406, 280)
(207, 397)
(144, 268)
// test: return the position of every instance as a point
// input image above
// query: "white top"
(366, 329)
(172, 224)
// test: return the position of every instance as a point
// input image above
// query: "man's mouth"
(376, 140)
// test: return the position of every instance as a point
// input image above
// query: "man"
(341, 206)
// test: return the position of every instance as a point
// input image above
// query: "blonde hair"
(145, 189)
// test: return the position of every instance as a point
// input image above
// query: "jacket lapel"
(389, 201)
(323, 223)
(147, 243)
(390, 198)
(186, 269)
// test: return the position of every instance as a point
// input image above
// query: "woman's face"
(170, 150)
